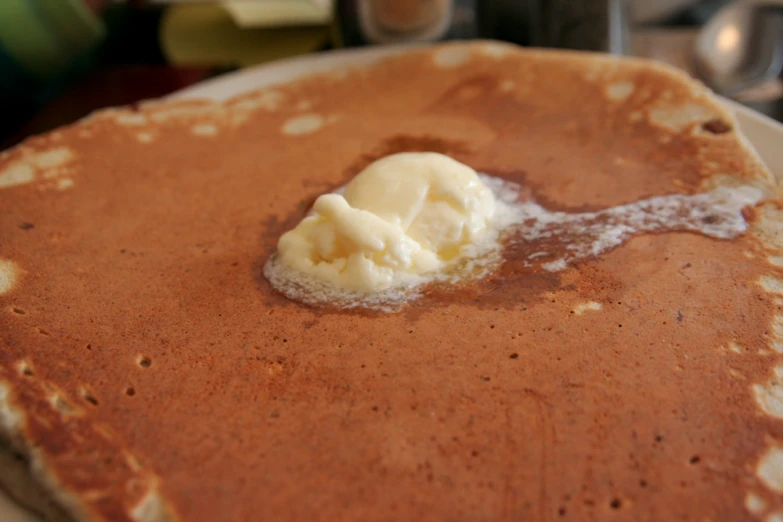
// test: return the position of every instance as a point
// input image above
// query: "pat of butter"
(404, 216)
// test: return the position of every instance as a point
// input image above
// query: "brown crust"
(79, 462)
(18, 484)
(491, 403)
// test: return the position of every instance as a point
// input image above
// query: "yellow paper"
(278, 13)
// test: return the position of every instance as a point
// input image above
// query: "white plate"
(764, 133)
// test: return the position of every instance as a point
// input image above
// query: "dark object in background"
(377, 22)
(740, 48)
(132, 36)
(127, 67)
(507, 20)
(595, 25)
(697, 13)
(106, 87)
(585, 25)
(131, 39)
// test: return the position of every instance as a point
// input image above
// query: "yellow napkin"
(206, 34)
(278, 13)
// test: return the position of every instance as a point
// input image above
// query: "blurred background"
(62, 59)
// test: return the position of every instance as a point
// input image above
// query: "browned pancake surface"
(140, 302)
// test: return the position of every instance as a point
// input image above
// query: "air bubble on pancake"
(588, 306)
(619, 160)
(18, 173)
(161, 111)
(247, 105)
(715, 126)
(724, 179)
(64, 183)
(268, 100)
(507, 85)
(274, 368)
(775, 517)
(555, 266)
(151, 508)
(770, 469)
(49, 163)
(53, 173)
(25, 368)
(95, 496)
(495, 50)
(9, 274)
(89, 396)
(204, 129)
(775, 260)
(734, 347)
(677, 118)
(451, 57)
(767, 227)
(239, 110)
(25, 170)
(769, 395)
(131, 119)
(145, 137)
(619, 91)
(776, 342)
(772, 284)
(238, 119)
(10, 418)
(467, 92)
(134, 486)
(305, 124)
(617, 503)
(755, 504)
(61, 405)
(133, 462)
(52, 158)
(736, 375)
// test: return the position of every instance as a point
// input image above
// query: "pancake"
(149, 372)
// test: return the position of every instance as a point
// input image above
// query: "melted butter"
(553, 240)
(716, 214)
(402, 218)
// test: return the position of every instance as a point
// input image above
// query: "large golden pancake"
(149, 372)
